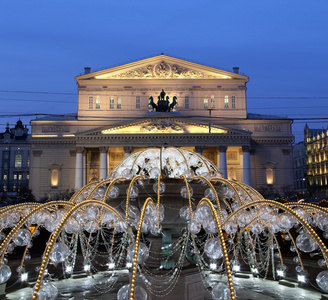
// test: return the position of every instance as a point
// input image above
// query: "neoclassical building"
(158, 102)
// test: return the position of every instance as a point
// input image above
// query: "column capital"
(199, 149)
(79, 149)
(223, 148)
(103, 149)
(246, 148)
(127, 149)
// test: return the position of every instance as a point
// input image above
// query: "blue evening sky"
(282, 45)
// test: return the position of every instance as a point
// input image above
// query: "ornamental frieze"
(162, 70)
(162, 127)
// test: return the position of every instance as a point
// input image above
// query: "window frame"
(226, 101)
(187, 102)
(205, 102)
(119, 102)
(97, 102)
(90, 102)
(138, 102)
(18, 161)
(111, 102)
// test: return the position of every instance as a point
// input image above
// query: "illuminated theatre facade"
(115, 118)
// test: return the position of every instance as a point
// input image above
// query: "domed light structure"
(163, 210)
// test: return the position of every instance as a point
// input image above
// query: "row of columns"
(222, 163)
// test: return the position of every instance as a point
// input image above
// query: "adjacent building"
(158, 102)
(316, 151)
(15, 158)
(300, 170)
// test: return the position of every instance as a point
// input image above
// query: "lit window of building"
(269, 176)
(212, 102)
(111, 103)
(205, 102)
(226, 101)
(97, 102)
(18, 161)
(54, 178)
(119, 104)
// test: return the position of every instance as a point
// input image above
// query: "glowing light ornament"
(5, 273)
(322, 222)
(184, 212)
(143, 253)
(48, 291)
(322, 280)
(22, 237)
(220, 291)
(124, 293)
(285, 222)
(184, 192)
(213, 248)
(59, 253)
(113, 192)
(305, 243)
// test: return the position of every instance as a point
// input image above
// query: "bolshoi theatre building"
(160, 101)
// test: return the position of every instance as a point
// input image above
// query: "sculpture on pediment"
(162, 70)
(163, 105)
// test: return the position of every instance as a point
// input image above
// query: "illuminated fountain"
(163, 214)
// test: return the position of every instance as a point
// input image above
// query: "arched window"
(205, 102)
(187, 102)
(54, 178)
(18, 161)
(269, 176)
(226, 101)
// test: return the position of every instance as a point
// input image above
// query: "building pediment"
(162, 67)
(162, 124)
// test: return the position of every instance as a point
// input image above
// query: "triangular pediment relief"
(162, 67)
(165, 125)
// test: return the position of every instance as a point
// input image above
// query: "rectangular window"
(212, 102)
(205, 102)
(119, 104)
(5, 177)
(138, 102)
(226, 101)
(233, 101)
(90, 102)
(20, 177)
(27, 176)
(15, 176)
(111, 102)
(97, 102)
(187, 102)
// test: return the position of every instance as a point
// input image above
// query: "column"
(223, 160)
(127, 151)
(247, 178)
(79, 168)
(103, 162)
(199, 150)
